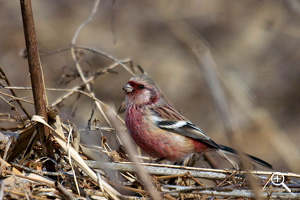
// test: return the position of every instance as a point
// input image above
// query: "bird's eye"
(141, 86)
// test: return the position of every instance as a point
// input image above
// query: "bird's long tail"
(233, 151)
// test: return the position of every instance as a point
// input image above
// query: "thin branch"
(107, 55)
(99, 72)
(16, 98)
(78, 67)
(163, 169)
(235, 193)
(120, 62)
(59, 173)
(14, 94)
(27, 176)
(88, 20)
(64, 191)
(23, 195)
(156, 170)
(12, 107)
(71, 92)
(54, 52)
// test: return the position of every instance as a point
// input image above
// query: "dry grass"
(246, 53)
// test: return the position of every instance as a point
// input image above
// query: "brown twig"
(128, 188)
(14, 94)
(196, 181)
(171, 176)
(64, 191)
(23, 195)
(211, 161)
(37, 80)
(12, 107)
(30, 178)
(59, 173)
(16, 98)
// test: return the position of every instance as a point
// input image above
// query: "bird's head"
(141, 90)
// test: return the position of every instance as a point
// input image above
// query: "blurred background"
(254, 44)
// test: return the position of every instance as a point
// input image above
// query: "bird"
(160, 130)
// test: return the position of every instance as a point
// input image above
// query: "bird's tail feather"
(253, 158)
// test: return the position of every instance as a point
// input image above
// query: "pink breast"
(157, 142)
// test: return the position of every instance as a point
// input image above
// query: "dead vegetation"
(43, 156)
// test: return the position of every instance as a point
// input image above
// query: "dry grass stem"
(128, 145)
(247, 62)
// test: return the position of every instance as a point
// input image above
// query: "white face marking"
(138, 98)
(143, 97)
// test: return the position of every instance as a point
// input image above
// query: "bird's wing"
(169, 119)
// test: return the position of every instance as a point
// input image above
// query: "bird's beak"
(127, 88)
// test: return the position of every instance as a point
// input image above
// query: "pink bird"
(160, 130)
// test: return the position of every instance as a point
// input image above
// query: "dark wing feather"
(188, 130)
(169, 119)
